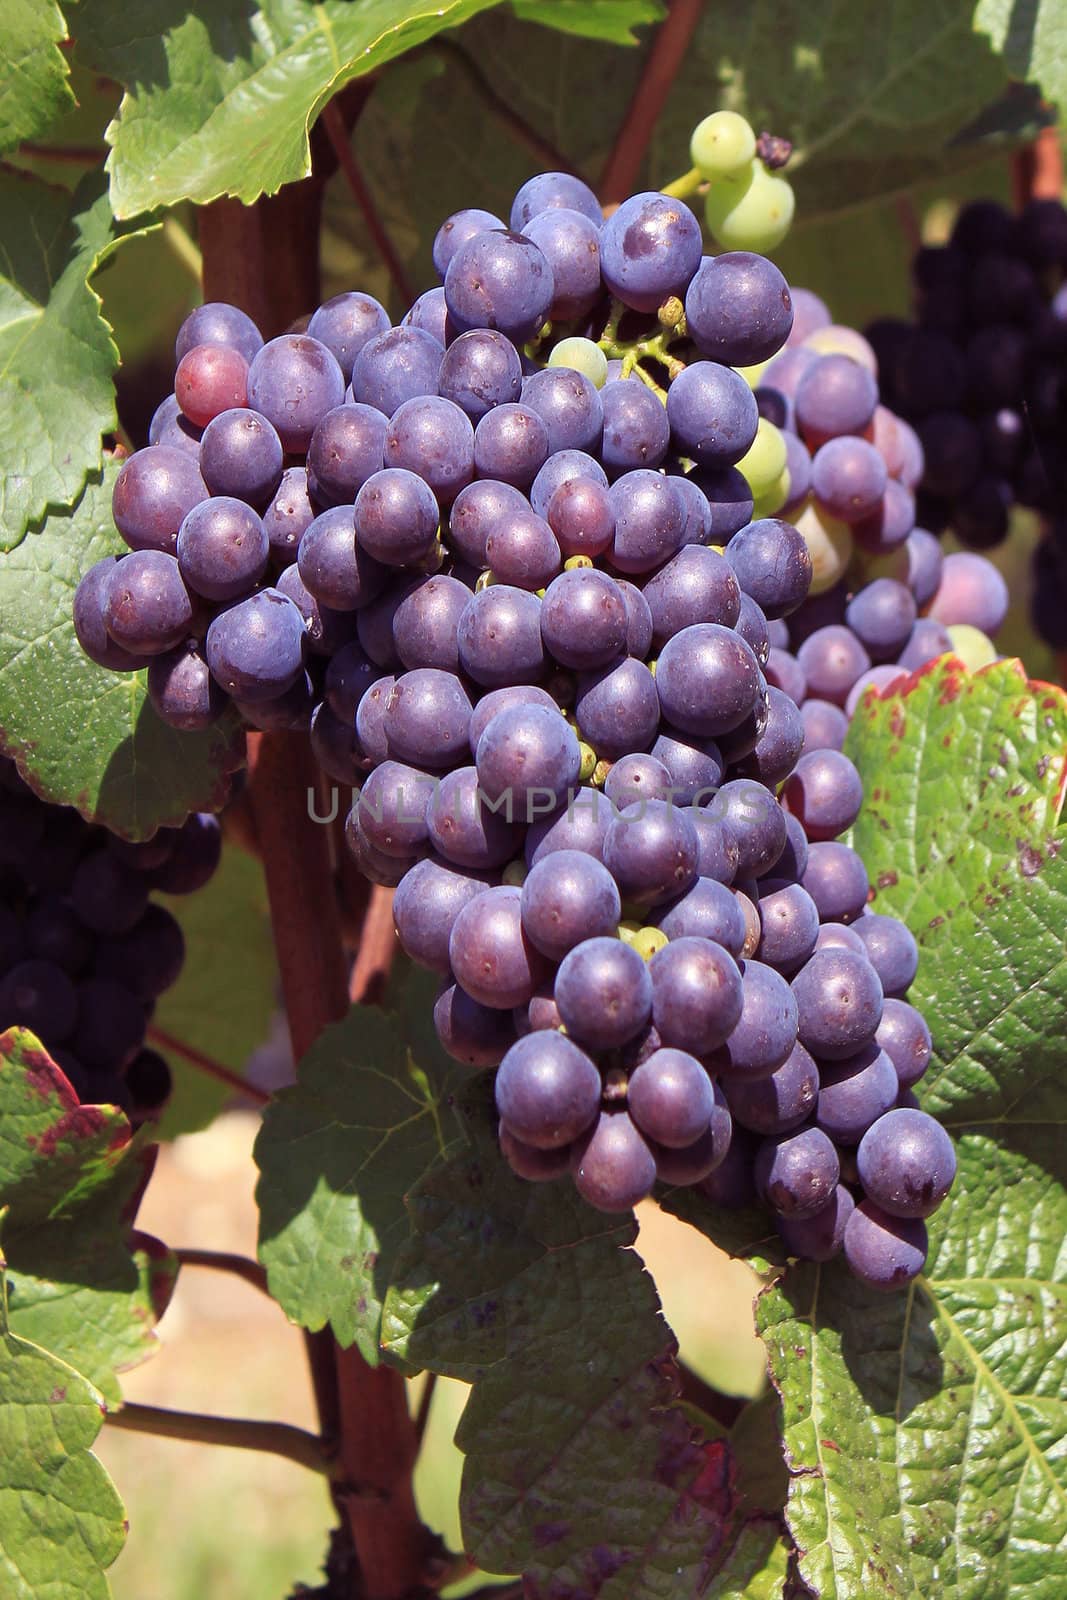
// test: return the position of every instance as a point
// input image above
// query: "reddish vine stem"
(338, 135)
(226, 1261)
(660, 70)
(1037, 169)
(376, 1439)
(375, 951)
(206, 1065)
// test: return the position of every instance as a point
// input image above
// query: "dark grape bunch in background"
(85, 952)
(982, 376)
(527, 566)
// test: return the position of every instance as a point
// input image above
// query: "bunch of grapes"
(516, 563)
(982, 375)
(85, 953)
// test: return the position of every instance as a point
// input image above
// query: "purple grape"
(928, 640)
(337, 570)
(426, 904)
(569, 407)
(215, 322)
(825, 794)
(293, 381)
(891, 950)
(425, 623)
(694, 766)
(905, 1038)
(780, 1102)
(581, 515)
(614, 1167)
(289, 515)
(783, 671)
(697, 509)
(884, 1252)
(475, 1034)
(346, 449)
(712, 414)
(798, 465)
(107, 896)
(729, 500)
(584, 619)
(836, 395)
(671, 1098)
(345, 323)
(146, 606)
(481, 370)
(377, 866)
(707, 911)
(499, 279)
(754, 629)
(839, 1003)
(395, 366)
(971, 590)
(521, 550)
(707, 679)
(637, 777)
(466, 827)
(327, 630)
(241, 455)
(153, 494)
(570, 243)
(40, 996)
(604, 993)
(825, 725)
(695, 586)
(433, 438)
(395, 518)
(567, 897)
(753, 817)
(110, 1028)
(510, 444)
(832, 659)
(779, 745)
(767, 1029)
(771, 562)
(549, 191)
(649, 250)
(906, 1163)
(879, 678)
(255, 649)
(617, 709)
(797, 1173)
(535, 1166)
(581, 824)
(792, 863)
(427, 717)
(499, 699)
(222, 549)
(718, 854)
(696, 999)
(651, 851)
(636, 430)
(392, 808)
(499, 637)
(848, 478)
(837, 881)
(528, 757)
(889, 527)
(695, 1162)
(738, 308)
(182, 691)
(819, 1237)
(789, 925)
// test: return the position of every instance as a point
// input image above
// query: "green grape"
(646, 941)
(837, 340)
(771, 500)
(764, 461)
(753, 375)
(583, 356)
(864, 567)
(829, 545)
(974, 648)
(514, 873)
(588, 759)
(722, 144)
(752, 211)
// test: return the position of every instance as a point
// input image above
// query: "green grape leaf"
(1031, 39)
(61, 1520)
(582, 1471)
(337, 1154)
(57, 355)
(34, 76)
(612, 21)
(924, 1431)
(197, 80)
(79, 1282)
(222, 1003)
(83, 736)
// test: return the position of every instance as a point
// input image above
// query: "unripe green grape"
(646, 941)
(771, 500)
(514, 874)
(751, 212)
(829, 545)
(837, 340)
(764, 461)
(974, 648)
(864, 567)
(722, 144)
(753, 375)
(583, 356)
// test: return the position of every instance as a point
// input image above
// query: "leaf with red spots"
(583, 1471)
(61, 1521)
(79, 1282)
